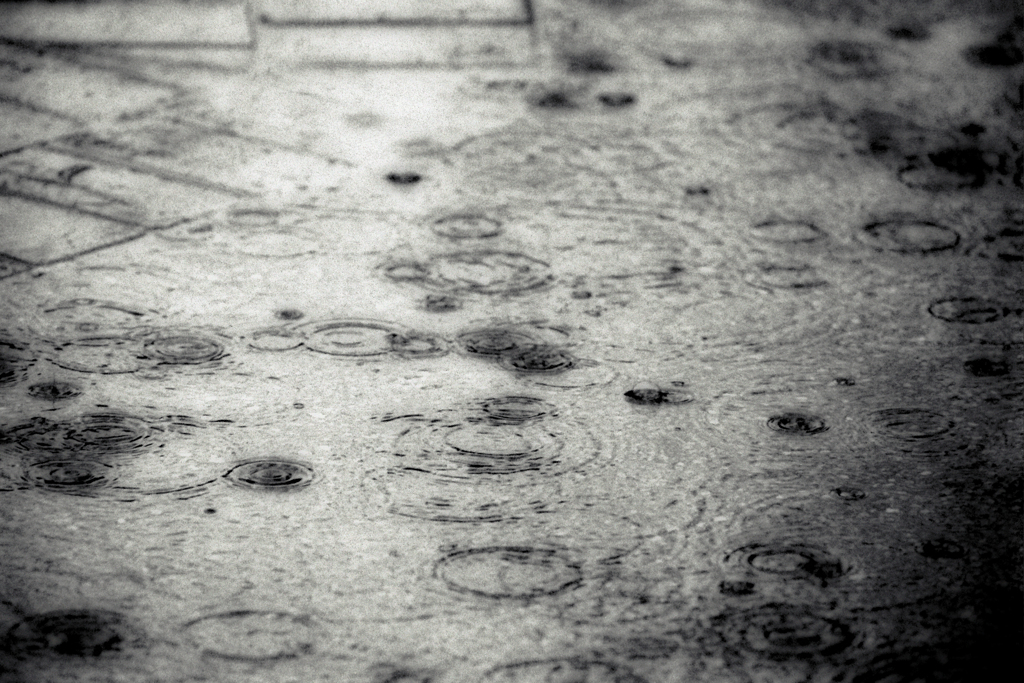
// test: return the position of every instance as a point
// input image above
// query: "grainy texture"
(657, 342)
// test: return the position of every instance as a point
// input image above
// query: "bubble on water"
(517, 572)
(403, 177)
(666, 393)
(54, 391)
(474, 272)
(909, 237)
(271, 475)
(73, 633)
(798, 424)
(569, 670)
(967, 310)
(780, 631)
(253, 635)
(276, 339)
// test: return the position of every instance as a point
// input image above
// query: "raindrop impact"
(477, 272)
(912, 424)
(75, 477)
(791, 560)
(538, 359)
(54, 391)
(797, 424)
(650, 394)
(470, 451)
(496, 341)
(183, 349)
(516, 410)
(88, 436)
(276, 475)
(359, 338)
(781, 632)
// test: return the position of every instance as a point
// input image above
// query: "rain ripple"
(113, 455)
(351, 338)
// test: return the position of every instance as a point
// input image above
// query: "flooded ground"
(683, 344)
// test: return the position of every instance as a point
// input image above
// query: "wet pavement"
(682, 345)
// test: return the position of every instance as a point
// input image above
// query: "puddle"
(678, 352)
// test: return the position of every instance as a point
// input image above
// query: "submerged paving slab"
(405, 32)
(126, 22)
